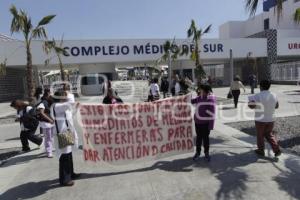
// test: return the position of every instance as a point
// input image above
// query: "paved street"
(234, 172)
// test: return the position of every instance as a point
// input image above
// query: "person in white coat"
(62, 122)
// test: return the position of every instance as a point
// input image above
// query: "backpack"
(29, 119)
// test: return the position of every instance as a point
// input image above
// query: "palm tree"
(171, 52)
(21, 23)
(195, 34)
(3, 68)
(51, 46)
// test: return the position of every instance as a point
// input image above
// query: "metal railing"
(286, 71)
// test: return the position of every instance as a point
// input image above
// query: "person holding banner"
(63, 124)
(111, 97)
(204, 119)
(154, 91)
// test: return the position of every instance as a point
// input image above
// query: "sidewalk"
(6, 110)
(235, 172)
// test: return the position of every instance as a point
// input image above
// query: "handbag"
(65, 138)
(229, 95)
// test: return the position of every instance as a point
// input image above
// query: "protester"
(70, 96)
(154, 91)
(111, 98)
(177, 87)
(235, 87)
(164, 87)
(183, 87)
(204, 118)
(209, 80)
(46, 122)
(252, 82)
(38, 94)
(62, 124)
(173, 84)
(27, 124)
(265, 104)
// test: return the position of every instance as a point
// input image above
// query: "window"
(88, 80)
(266, 24)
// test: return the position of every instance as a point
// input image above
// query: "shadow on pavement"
(289, 180)
(30, 190)
(228, 108)
(294, 102)
(22, 158)
(11, 139)
(290, 142)
(291, 91)
(224, 166)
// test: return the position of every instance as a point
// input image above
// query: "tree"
(58, 50)
(171, 52)
(3, 68)
(195, 35)
(21, 23)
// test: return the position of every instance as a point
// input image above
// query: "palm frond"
(278, 9)
(39, 33)
(193, 56)
(189, 33)
(15, 23)
(167, 46)
(251, 6)
(207, 30)
(61, 41)
(46, 20)
(297, 16)
(60, 50)
(198, 34)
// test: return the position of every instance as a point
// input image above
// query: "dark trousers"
(66, 170)
(165, 93)
(29, 135)
(236, 95)
(252, 88)
(202, 133)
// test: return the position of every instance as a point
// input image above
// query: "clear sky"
(118, 19)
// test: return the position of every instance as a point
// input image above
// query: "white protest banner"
(125, 133)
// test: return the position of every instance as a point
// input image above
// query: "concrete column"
(231, 66)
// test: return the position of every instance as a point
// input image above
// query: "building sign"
(294, 46)
(288, 47)
(131, 50)
(152, 49)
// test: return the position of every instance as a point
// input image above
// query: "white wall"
(288, 33)
(232, 29)
(256, 24)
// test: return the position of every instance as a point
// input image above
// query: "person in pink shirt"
(204, 119)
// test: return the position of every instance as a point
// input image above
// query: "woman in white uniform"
(63, 122)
